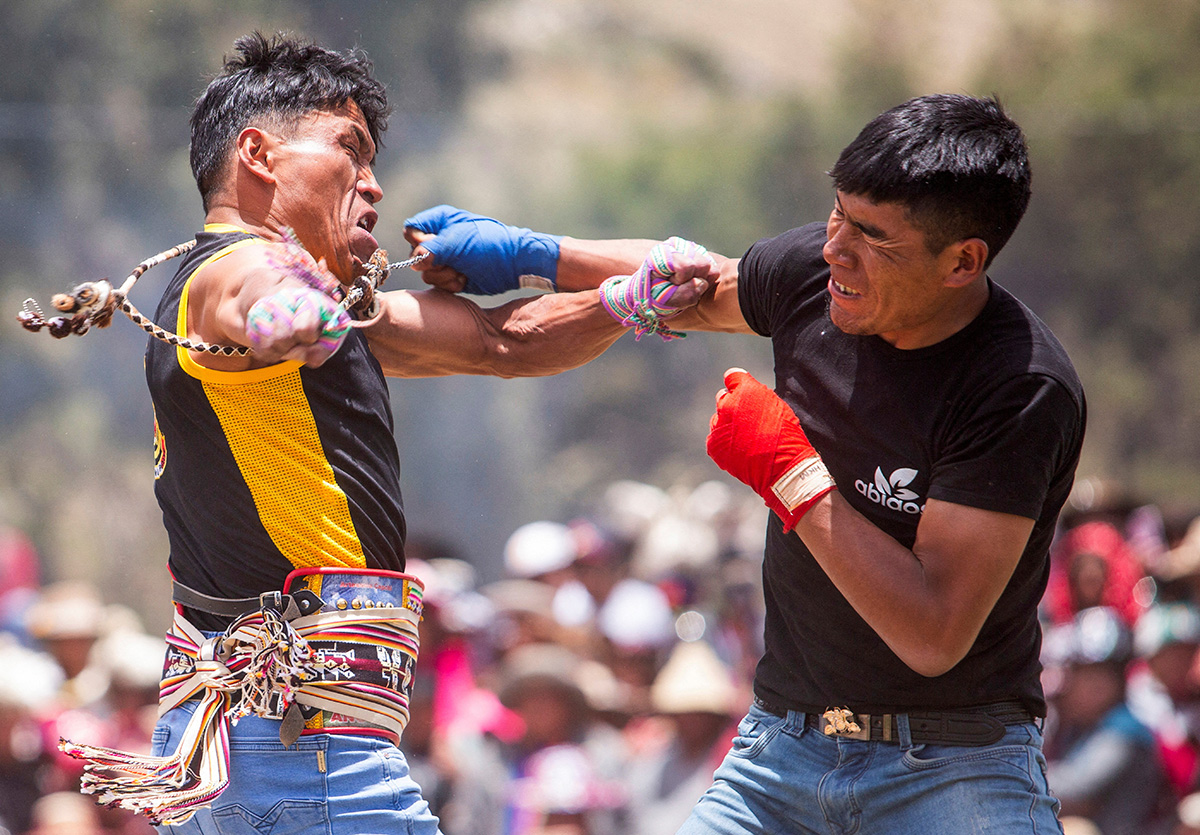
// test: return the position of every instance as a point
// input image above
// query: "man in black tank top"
(919, 443)
(275, 462)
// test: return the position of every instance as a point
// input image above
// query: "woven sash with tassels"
(356, 663)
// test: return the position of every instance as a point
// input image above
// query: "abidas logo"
(892, 491)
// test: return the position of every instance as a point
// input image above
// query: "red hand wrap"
(755, 437)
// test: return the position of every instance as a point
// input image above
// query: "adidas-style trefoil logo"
(892, 491)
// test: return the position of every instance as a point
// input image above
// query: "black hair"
(278, 80)
(959, 165)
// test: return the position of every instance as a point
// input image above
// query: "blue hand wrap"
(494, 257)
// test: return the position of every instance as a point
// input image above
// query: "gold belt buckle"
(839, 721)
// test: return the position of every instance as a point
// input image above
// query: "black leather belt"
(970, 726)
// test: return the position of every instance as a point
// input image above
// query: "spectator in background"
(1102, 761)
(1164, 693)
(542, 551)
(550, 774)
(696, 695)
(1179, 570)
(66, 813)
(28, 681)
(1092, 565)
(67, 620)
(19, 579)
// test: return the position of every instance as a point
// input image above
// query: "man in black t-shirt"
(921, 438)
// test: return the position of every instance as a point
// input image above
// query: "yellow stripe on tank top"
(272, 433)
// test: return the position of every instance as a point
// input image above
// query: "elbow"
(513, 358)
(933, 659)
(933, 667)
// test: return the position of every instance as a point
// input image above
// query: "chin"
(845, 323)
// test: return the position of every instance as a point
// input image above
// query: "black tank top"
(263, 471)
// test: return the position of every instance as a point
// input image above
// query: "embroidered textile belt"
(970, 726)
(359, 628)
(335, 648)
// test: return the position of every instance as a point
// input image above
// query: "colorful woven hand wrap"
(276, 316)
(296, 261)
(350, 665)
(643, 300)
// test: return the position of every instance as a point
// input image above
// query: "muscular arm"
(584, 264)
(435, 332)
(927, 604)
(221, 296)
(432, 333)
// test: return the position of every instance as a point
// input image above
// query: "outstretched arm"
(271, 297)
(432, 333)
(480, 255)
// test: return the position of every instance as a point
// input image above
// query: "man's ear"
(969, 260)
(254, 148)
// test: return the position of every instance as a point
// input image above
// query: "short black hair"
(958, 164)
(280, 80)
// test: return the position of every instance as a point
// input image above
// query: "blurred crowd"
(594, 687)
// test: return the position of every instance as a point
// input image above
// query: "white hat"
(627, 507)
(30, 679)
(637, 615)
(67, 610)
(694, 680)
(673, 542)
(539, 548)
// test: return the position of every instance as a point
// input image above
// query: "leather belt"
(969, 726)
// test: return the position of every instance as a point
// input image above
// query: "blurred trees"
(592, 117)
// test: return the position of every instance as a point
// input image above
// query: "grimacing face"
(326, 188)
(883, 279)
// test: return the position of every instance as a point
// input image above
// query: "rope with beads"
(92, 303)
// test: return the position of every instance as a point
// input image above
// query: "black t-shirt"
(991, 418)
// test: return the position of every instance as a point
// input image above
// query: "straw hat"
(67, 610)
(694, 680)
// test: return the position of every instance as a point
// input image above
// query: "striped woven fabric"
(350, 667)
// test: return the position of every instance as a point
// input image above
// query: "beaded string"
(92, 303)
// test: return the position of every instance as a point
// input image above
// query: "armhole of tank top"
(183, 355)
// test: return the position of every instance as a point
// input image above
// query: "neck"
(233, 216)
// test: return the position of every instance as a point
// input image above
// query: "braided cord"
(93, 302)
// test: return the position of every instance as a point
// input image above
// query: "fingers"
(434, 274)
(735, 376)
(685, 295)
(296, 324)
(691, 267)
(416, 237)
(444, 278)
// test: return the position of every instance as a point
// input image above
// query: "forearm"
(546, 335)
(585, 264)
(925, 605)
(433, 333)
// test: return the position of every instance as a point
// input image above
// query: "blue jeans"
(782, 777)
(326, 784)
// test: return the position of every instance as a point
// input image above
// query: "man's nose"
(369, 187)
(835, 250)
